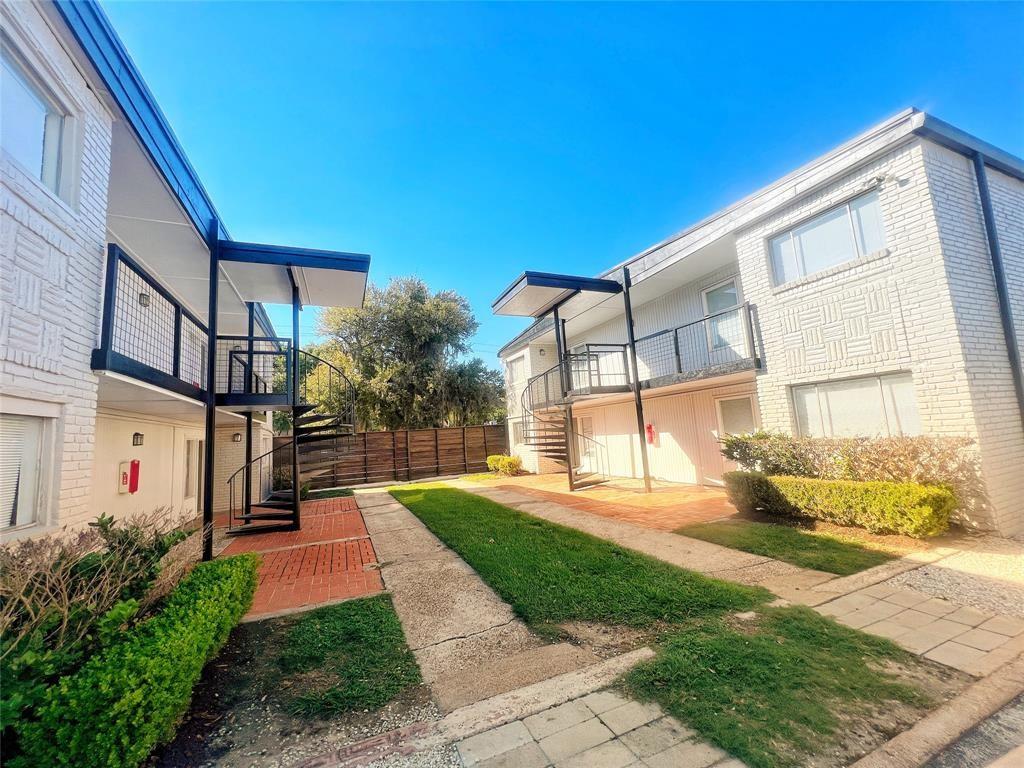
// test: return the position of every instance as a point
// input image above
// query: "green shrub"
(129, 697)
(911, 509)
(505, 465)
(945, 461)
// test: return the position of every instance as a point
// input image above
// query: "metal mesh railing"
(193, 353)
(600, 365)
(716, 340)
(257, 365)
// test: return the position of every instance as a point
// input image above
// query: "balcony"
(150, 336)
(716, 345)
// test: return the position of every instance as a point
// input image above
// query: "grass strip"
(822, 552)
(347, 657)
(549, 573)
(330, 493)
(774, 690)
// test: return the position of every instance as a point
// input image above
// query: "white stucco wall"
(51, 268)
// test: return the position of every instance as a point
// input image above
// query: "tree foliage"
(404, 351)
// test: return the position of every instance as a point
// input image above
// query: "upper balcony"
(717, 345)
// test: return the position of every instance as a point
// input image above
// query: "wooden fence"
(374, 457)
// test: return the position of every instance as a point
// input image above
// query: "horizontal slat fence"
(375, 457)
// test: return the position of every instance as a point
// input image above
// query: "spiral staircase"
(546, 413)
(323, 429)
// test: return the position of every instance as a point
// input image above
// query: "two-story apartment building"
(137, 364)
(878, 290)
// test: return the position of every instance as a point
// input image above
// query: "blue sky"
(466, 142)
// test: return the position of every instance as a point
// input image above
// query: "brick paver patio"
(330, 559)
(669, 505)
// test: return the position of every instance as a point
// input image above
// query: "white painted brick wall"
(991, 399)
(52, 272)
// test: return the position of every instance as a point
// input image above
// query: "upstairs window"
(841, 234)
(33, 125)
(515, 369)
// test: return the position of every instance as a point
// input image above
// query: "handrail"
(744, 306)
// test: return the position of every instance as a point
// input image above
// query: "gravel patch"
(445, 756)
(989, 577)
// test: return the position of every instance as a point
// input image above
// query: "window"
(865, 407)
(736, 416)
(842, 234)
(33, 126)
(517, 432)
(725, 328)
(21, 447)
(191, 469)
(515, 369)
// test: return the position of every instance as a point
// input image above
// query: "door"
(586, 450)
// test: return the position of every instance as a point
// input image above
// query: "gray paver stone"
(982, 639)
(611, 754)
(556, 719)
(629, 716)
(656, 737)
(493, 742)
(691, 754)
(1004, 625)
(602, 701)
(954, 654)
(576, 739)
(527, 756)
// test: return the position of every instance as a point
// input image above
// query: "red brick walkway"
(329, 559)
(669, 506)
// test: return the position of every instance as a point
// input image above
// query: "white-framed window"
(515, 369)
(844, 233)
(736, 415)
(21, 469)
(869, 406)
(517, 432)
(724, 327)
(191, 469)
(35, 130)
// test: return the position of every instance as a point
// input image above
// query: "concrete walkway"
(469, 644)
(940, 628)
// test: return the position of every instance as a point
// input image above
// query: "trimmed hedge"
(505, 465)
(910, 509)
(129, 697)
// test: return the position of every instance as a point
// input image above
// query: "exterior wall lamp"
(236, 438)
(144, 299)
(137, 438)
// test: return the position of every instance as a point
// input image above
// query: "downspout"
(999, 272)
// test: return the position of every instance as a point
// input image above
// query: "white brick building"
(856, 296)
(109, 243)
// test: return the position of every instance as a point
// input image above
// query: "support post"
(560, 347)
(211, 391)
(296, 483)
(631, 337)
(247, 472)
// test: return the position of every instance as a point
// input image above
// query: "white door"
(586, 450)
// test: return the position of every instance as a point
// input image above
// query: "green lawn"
(346, 657)
(823, 552)
(772, 690)
(549, 573)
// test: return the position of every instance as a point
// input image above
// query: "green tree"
(404, 352)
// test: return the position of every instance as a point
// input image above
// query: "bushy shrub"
(128, 698)
(65, 596)
(505, 465)
(945, 461)
(911, 509)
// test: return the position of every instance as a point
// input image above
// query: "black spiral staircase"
(261, 494)
(546, 413)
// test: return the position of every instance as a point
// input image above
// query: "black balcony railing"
(712, 346)
(703, 347)
(146, 333)
(254, 366)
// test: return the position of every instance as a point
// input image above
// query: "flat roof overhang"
(266, 273)
(534, 294)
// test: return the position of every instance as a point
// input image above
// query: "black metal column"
(247, 474)
(565, 386)
(296, 483)
(211, 392)
(631, 337)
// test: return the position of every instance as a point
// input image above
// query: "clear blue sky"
(466, 142)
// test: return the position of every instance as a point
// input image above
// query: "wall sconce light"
(144, 299)
(236, 438)
(137, 438)
(542, 352)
